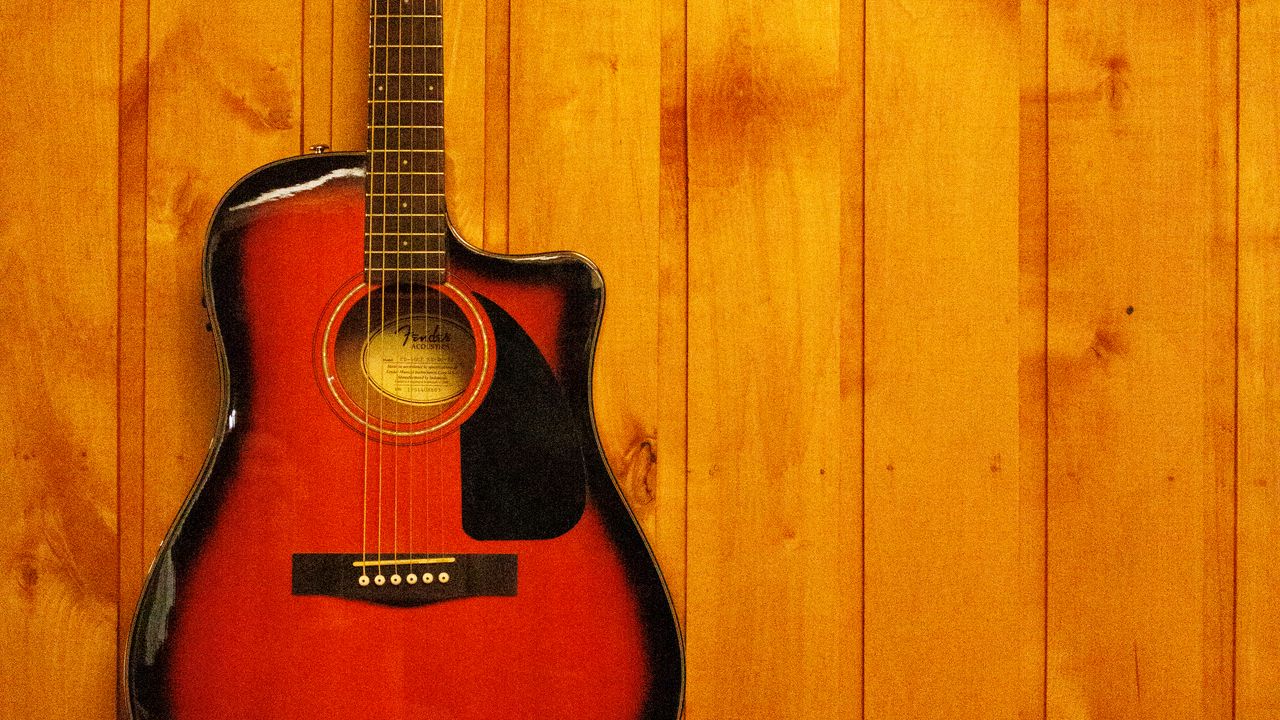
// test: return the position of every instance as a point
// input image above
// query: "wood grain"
(942, 427)
(1070, 402)
(1257, 690)
(58, 268)
(848, 679)
(1033, 277)
(317, 74)
(466, 91)
(497, 136)
(1141, 359)
(351, 74)
(131, 314)
(665, 525)
(768, 613)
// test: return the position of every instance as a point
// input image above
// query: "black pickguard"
(523, 473)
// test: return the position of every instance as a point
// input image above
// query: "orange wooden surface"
(58, 341)
(1141, 363)
(940, 353)
(941, 481)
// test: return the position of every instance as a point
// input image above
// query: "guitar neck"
(405, 209)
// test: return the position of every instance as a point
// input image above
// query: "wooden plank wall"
(942, 342)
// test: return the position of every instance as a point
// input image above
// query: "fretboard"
(405, 212)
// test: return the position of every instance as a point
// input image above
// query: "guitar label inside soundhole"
(420, 359)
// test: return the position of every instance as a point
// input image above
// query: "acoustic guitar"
(405, 512)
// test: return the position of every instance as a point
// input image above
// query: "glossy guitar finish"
(220, 634)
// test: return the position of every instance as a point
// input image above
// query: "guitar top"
(405, 512)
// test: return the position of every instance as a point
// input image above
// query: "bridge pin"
(364, 581)
(443, 577)
(395, 579)
(379, 579)
(411, 578)
(427, 577)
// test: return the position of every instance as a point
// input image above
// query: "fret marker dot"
(379, 87)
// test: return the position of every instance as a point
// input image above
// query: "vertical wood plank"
(849, 683)
(465, 88)
(317, 74)
(131, 323)
(666, 526)
(497, 95)
(58, 265)
(1257, 689)
(1141, 359)
(773, 591)
(942, 429)
(1033, 179)
(586, 174)
(224, 98)
(351, 74)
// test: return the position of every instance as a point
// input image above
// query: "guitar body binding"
(417, 525)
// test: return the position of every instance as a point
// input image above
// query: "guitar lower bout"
(411, 516)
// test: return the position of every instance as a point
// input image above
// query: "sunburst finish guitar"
(406, 512)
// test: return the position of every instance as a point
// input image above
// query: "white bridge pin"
(364, 581)
(411, 578)
(379, 579)
(395, 579)
(443, 577)
(427, 577)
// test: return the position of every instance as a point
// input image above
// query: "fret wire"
(411, 195)
(399, 76)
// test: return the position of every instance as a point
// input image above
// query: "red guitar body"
(234, 623)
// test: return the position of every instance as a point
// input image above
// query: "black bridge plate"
(451, 577)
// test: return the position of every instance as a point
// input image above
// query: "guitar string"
(439, 207)
(371, 143)
(400, 246)
(413, 166)
(382, 294)
(428, 258)
(433, 316)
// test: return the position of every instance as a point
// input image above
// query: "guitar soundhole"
(405, 360)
